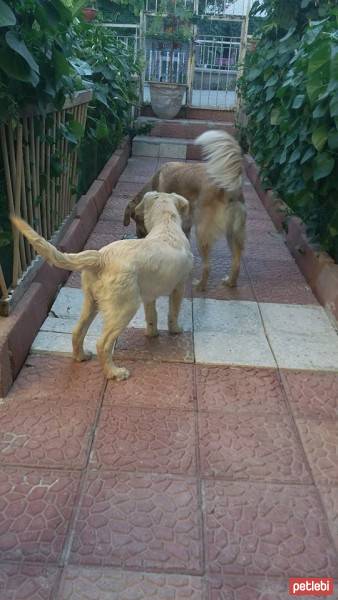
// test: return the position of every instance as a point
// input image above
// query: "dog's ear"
(181, 204)
(149, 196)
(127, 215)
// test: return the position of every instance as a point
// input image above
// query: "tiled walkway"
(211, 474)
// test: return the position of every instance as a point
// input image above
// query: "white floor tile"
(232, 349)
(317, 352)
(293, 318)
(59, 343)
(162, 304)
(68, 303)
(227, 316)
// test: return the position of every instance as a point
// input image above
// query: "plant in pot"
(89, 12)
(172, 26)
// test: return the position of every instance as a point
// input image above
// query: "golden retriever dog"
(120, 276)
(214, 192)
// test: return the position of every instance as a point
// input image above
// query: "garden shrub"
(290, 93)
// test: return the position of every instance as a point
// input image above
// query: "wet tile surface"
(148, 521)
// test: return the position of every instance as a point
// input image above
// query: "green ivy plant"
(290, 93)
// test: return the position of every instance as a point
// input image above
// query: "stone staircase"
(175, 138)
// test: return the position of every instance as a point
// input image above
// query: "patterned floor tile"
(312, 394)
(159, 385)
(27, 581)
(330, 499)
(236, 587)
(250, 447)
(148, 522)
(271, 530)
(319, 438)
(45, 434)
(35, 509)
(136, 439)
(59, 380)
(168, 348)
(113, 584)
(278, 281)
(239, 389)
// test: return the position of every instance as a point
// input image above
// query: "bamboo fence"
(40, 166)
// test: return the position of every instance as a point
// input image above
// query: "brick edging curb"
(318, 268)
(18, 330)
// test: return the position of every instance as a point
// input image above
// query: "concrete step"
(184, 128)
(165, 147)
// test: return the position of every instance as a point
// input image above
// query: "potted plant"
(172, 26)
(89, 12)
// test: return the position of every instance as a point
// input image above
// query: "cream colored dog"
(214, 192)
(122, 275)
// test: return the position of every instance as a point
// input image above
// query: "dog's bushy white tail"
(224, 159)
(87, 259)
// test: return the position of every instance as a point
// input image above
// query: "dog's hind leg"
(204, 250)
(235, 233)
(151, 319)
(88, 313)
(175, 301)
(116, 318)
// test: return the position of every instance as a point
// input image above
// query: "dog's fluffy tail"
(87, 259)
(224, 159)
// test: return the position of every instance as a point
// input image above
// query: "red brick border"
(18, 331)
(318, 268)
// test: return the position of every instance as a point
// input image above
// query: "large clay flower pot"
(166, 99)
(89, 13)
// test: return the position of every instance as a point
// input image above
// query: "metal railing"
(40, 167)
(216, 8)
(161, 66)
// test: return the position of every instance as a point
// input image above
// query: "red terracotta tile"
(272, 530)
(45, 434)
(319, 438)
(159, 385)
(139, 169)
(278, 281)
(139, 521)
(330, 500)
(236, 587)
(136, 439)
(58, 379)
(129, 188)
(267, 249)
(35, 509)
(27, 581)
(251, 447)
(239, 389)
(96, 241)
(115, 207)
(80, 583)
(134, 344)
(312, 394)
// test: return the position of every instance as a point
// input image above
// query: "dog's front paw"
(229, 282)
(175, 329)
(118, 373)
(152, 332)
(82, 356)
(199, 285)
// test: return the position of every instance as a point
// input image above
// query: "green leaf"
(334, 106)
(319, 111)
(16, 68)
(274, 117)
(333, 140)
(319, 57)
(294, 156)
(253, 74)
(20, 48)
(272, 80)
(323, 166)
(307, 155)
(61, 64)
(298, 101)
(319, 137)
(7, 17)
